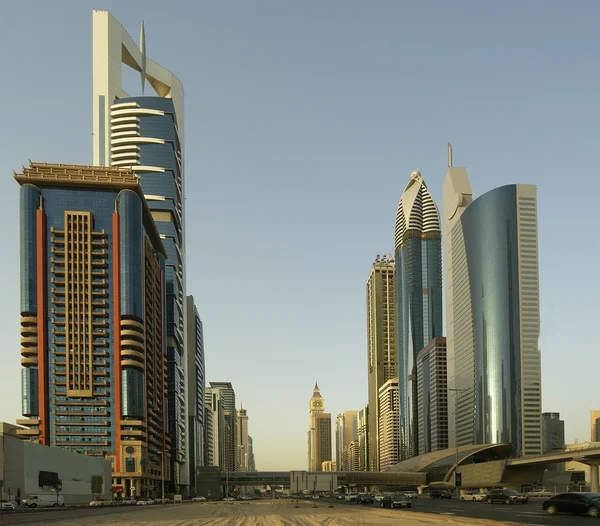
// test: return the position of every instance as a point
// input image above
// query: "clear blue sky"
(303, 122)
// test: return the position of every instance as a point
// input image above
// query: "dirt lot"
(263, 513)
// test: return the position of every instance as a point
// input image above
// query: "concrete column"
(594, 479)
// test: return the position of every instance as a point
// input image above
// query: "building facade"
(418, 261)
(230, 444)
(389, 425)
(93, 320)
(145, 134)
(196, 383)
(595, 425)
(329, 465)
(214, 442)
(381, 343)
(363, 439)
(346, 432)
(251, 461)
(553, 432)
(432, 382)
(498, 368)
(242, 440)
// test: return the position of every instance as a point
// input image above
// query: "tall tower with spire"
(319, 432)
(242, 440)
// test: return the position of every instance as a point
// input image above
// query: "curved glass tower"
(418, 258)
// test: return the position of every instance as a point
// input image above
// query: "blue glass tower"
(418, 260)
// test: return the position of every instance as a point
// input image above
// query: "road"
(530, 513)
(284, 513)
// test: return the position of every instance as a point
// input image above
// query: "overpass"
(344, 478)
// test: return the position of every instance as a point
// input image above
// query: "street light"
(457, 391)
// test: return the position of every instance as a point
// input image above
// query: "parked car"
(379, 498)
(575, 502)
(507, 496)
(473, 496)
(142, 502)
(43, 501)
(365, 498)
(440, 494)
(352, 497)
(129, 501)
(198, 499)
(7, 505)
(411, 494)
(101, 502)
(396, 501)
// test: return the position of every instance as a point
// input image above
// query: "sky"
(303, 122)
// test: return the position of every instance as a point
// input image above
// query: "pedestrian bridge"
(344, 478)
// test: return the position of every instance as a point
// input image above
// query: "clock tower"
(316, 404)
(319, 432)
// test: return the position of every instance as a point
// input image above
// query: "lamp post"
(457, 392)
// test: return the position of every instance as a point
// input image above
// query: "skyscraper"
(363, 439)
(594, 425)
(230, 446)
(389, 424)
(145, 134)
(93, 320)
(214, 442)
(553, 432)
(418, 259)
(432, 381)
(495, 315)
(346, 432)
(319, 433)
(251, 461)
(196, 381)
(242, 441)
(381, 342)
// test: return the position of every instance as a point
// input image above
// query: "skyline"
(343, 172)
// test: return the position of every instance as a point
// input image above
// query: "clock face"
(318, 404)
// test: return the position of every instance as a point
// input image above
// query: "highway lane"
(530, 513)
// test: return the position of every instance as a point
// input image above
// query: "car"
(507, 496)
(43, 501)
(142, 502)
(229, 499)
(396, 501)
(440, 494)
(578, 503)
(352, 497)
(365, 498)
(411, 494)
(473, 496)
(379, 498)
(101, 502)
(129, 501)
(7, 505)
(198, 499)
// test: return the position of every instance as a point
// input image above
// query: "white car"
(473, 496)
(101, 502)
(411, 494)
(129, 502)
(142, 503)
(7, 505)
(378, 498)
(198, 499)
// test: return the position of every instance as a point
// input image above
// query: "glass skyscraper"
(418, 259)
(93, 320)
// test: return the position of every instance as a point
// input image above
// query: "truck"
(43, 501)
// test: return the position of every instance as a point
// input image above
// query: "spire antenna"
(449, 155)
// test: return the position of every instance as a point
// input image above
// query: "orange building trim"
(117, 336)
(40, 246)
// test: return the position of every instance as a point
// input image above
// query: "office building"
(146, 134)
(351, 458)
(553, 432)
(418, 260)
(214, 442)
(363, 439)
(329, 465)
(319, 433)
(381, 343)
(195, 391)
(595, 426)
(230, 445)
(432, 398)
(92, 320)
(495, 316)
(346, 432)
(242, 441)
(389, 425)
(251, 461)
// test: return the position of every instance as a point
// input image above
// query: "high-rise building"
(432, 381)
(319, 433)
(230, 445)
(329, 465)
(418, 260)
(251, 461)
(381, 343)
(346, 432)
(214, 442)
(595, 425)
(351, 458)
(93, 320)
(553, 432)
(196, 381)
(389, 424)
(145, 134)
(495, 375)
(363, 439)
(242, 440)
